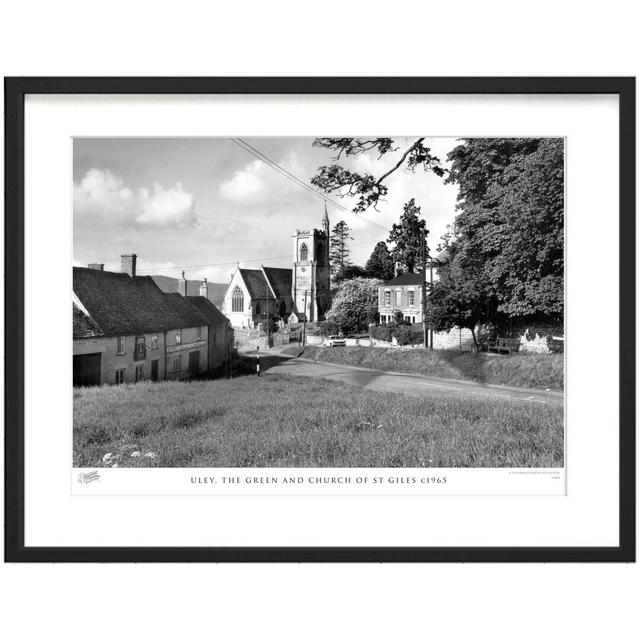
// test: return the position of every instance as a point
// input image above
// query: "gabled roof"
(186, 310)
(212, 314)
(405, 278)
(84, 326)
(215, 290)
(280, 281)
(121, 305)
(256, 284)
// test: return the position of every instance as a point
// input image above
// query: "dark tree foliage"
(406, 237)
(458, 298)
(369, 189)
(339, 251)
(380, 263)
(509, 231)
(349, 272)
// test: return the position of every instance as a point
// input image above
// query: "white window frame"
(139, 370)
(411, 297)
(176, 360)
(398, 297)
(124, 345)
(387, 298)
(154, 341)
(179, 336)
(120, 375)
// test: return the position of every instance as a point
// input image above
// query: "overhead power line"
(230, 263)
(243, 144)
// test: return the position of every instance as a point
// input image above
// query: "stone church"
(287, 295)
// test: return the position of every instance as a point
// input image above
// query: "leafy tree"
(380, 263)
(339, 251)
(366, 187)
(349, 272)
(458, 298)
(407, 236)
(510, 225)
(355, 304)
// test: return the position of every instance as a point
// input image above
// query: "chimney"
(396, 269)
(97, 266)
(184, 285)
(204, 288)
(128, 264)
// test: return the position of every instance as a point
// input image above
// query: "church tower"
(310, 281)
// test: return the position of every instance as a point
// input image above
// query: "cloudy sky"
(204, 204)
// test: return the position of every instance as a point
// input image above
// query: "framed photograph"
(320, 319)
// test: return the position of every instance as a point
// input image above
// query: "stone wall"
(541, 339)
(249, 340)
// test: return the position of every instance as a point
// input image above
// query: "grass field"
(282, 421)
(543, 371)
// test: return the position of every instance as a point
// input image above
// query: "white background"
(334, 38)
(53, 517)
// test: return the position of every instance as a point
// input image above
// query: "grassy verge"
(544, 371)
(281, 421)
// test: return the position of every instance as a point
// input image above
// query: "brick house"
(402, 293)
(125, 329)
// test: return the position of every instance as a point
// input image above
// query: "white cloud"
(245, 185)
(166, 207)
(101, 196)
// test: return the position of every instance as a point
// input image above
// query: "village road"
(415, 385)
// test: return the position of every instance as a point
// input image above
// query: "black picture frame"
(15, 91)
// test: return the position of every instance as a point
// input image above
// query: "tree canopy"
(407, 237)
(355, 304)
(368, 188)
(339, 250)
(380, 264)
(509, 232)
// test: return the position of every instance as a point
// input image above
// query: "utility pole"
(425, 342)
(304, 323)
(430, 290)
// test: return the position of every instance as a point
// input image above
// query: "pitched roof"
(280, 280)
(212, 314)
(215, 290)
(405, 278)
(121, 305)
(256, 284)
(83, 325)
(185, 309)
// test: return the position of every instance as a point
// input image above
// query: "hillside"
(175, 285)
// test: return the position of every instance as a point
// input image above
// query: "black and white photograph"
(301, 302)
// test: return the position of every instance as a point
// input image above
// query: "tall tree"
(339, 251)
(368, 188)
(510, 225)
(407, 236)
(380, 263)
(458, 297)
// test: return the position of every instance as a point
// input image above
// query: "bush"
(382, 332)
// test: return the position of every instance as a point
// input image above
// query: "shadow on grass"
(533, 371)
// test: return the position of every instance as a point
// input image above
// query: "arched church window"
(237, 301)
(304, 252)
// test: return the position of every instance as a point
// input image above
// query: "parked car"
(335, 341)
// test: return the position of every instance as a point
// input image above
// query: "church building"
(296, 294)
